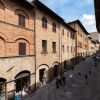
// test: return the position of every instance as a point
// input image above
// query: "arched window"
(44, 22)
(54, 27)
(22, 15)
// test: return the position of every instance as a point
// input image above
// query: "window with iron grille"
(44, 46)
(54, 47)
(54, 27)
(44, 22)
(22, 48)
(21, 20)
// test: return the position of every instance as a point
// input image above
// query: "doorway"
(42, 75)
(55, 70)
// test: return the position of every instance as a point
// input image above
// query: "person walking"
(86, 78)
(57, 82)
(64, 79)
(71, 77)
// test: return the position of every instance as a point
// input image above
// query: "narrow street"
(77, 89)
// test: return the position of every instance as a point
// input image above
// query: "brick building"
(51, 41)
(81, 39)
(36, 44)
(17, 57)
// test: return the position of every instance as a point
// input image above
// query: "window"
(67, 48)
(62, 31)
(72, 35)
(54, 47)
(71, 49)
(21, 20)
(67, 34)
(63, 48)
(44, 22)
(54, 27)
(22, 48)
(44, 46)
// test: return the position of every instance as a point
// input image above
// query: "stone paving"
(77, 89)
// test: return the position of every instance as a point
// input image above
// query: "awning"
(22, 75)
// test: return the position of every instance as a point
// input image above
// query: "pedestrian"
(57, 82)
(64, 79)
(71, 77)
(86, 78)
(79, 73)
(90, 72)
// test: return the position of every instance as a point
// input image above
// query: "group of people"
(61, 80)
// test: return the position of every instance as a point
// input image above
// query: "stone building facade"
(17, 56)
(36, 44)
(68, 46)
(81, 39)
(51, 41)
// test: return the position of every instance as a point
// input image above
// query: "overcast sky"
(71, 10)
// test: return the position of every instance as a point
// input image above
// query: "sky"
(71, 10)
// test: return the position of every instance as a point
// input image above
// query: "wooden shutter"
(22, 48)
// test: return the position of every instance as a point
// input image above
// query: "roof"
(97, 13)
(47, 10)
(44, 8)
(80, 24)
(24, 3)
(68, 26)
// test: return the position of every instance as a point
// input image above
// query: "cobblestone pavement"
(77, 89)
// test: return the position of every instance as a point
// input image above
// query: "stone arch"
(56, 69)
(42, 73)
(3, 77)
(26, 48)
(21, 37)
(21, 80)
(22, 12)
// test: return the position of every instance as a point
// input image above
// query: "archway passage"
(65, 65)
(56, 70)
(22, 80)
(2, 88)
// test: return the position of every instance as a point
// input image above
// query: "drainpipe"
(35, 41)
(59, 46)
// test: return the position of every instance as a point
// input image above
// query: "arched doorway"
(56, 70)
(65, 65)
(42, 75)
(2, 88)
(22, 79)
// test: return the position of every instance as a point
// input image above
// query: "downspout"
(76, 43)
(59, 49)
(35, 42)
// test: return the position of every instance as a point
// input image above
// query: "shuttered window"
(22, 48)
(21, 20)
(54, 27)
(54, 47)
(44, 22)
(44, 46)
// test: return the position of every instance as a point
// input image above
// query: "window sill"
(54, 52)
(44, 52)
